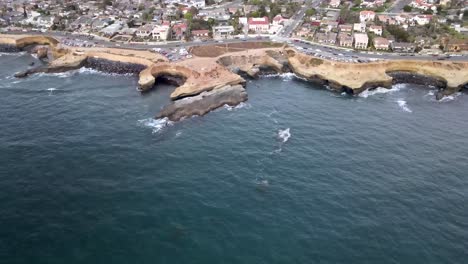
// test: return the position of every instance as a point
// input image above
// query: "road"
(297, 18)
(398, 5)
(329, 52)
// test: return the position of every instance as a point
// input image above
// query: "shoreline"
(210, 82)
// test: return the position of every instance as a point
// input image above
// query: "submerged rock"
(203, 103)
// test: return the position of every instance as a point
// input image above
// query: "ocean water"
(297, 174)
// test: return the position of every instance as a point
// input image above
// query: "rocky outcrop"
(9, 48)
(266, 62)
(357, 77)
(118, 67)
(203, 103)
(198, 75)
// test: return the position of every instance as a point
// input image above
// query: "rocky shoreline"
(204, 84)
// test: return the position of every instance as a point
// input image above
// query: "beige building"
(361, 41)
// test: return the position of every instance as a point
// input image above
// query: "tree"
(407, 8)
(188, 16)
(310, 12)
(400, 34)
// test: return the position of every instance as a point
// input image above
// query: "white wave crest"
(449, 98)
(403, 105)
(85, 70)
(382, 90)
(235, 107)
(284, 135)
(156, 124)
(51, 89)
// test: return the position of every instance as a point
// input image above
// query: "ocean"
(297, 174)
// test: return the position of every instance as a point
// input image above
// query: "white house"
(334, 3)
(222, 31)
(144, 31)
(160, 32)
(366, 15)
(361, 41)
(422, 19)
(259, 24)
(359, 27)
(377, 30)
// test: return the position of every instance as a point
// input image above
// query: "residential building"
(348, 28)
(201, 33)
(366, 15)
(359, 27)
(178, 31)
(381, 43)
(279, 20)
(422, 19)
(361, 40)
(334, 3)
(160, 32)
(144, 31)
(402, 47)
(377, 30)
(222, 32)
(259, 24)
(345, 40)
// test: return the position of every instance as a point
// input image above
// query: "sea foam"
(284, 135)
(239, 106)
(403, 105)
(156, 125)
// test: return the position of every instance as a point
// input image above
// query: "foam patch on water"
(288, 76)
(239, 106)
(449, 98)
(284, 135)
(156, 125)
(85, 70)
(403, 105)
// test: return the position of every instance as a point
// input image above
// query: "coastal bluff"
(206, 82)
(354, 78)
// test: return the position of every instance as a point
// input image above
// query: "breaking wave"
(284, 135)
(449, 98)
(156, 125)
(382, 90)
(239, 106)
(403, 105)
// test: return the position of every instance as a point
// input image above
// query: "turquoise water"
(86, 176)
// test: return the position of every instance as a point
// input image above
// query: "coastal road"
(297, 18)
(398, 5)
(331, 52)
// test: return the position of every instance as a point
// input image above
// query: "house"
(279, 20)
(377, 30)
(423, 5)
(345, 40)
(359, 27)
(361, 40)
(381, 43)
(326, 38)
(201, 33)
(422, 19)
(222, 32)
(387, 19)
(160, 32)
(366, 15)
(348, 28)
(259, 24)
(402, 47)
(144, 31)
(178, 31)
(334, 3)
(372, 3)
